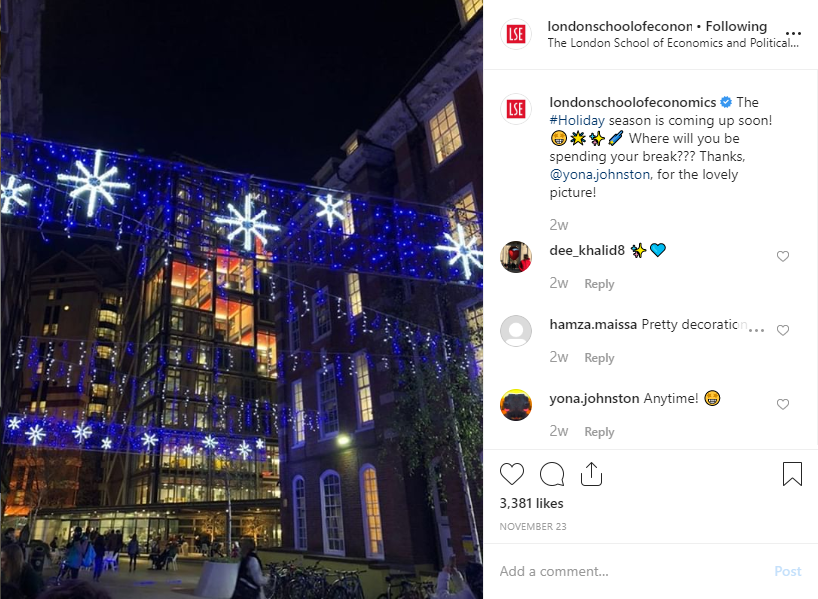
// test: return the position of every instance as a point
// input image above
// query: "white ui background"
(692, 497)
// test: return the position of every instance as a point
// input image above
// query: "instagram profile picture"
(516, 256)
(515, 331)
(516, 405)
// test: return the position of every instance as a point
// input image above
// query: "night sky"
(268, 87)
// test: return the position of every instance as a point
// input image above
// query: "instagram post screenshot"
(651, 347)
(287, 313)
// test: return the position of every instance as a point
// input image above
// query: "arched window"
(333, 517)
(300, 513)
(373, 532)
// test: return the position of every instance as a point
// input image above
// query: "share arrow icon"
(591, 481)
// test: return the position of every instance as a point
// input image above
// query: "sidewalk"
(158, 584)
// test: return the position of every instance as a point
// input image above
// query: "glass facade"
(206, 363)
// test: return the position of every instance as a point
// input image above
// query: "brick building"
(346, 493)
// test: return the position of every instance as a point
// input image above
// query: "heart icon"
(783, 403)
(783, 329)
(783, 256)
(512, 472)
(657, 248)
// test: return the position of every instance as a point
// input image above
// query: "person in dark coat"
(99, 555)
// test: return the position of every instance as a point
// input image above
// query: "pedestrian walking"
(76, 551)
(250, 580)
(133, 553)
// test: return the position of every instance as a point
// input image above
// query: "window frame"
(365, 513)
(371, 422)
(315, 335)
(299, 542)
(453, 213)
(349, 295)
(340, 552)
(299, 431)
(318, 374)
(440, 107)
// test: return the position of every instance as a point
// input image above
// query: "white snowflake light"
(210, 442)
(13, 193)
(463, 250)
(149, 440)
(35, 434)
(246, 223)
(187, 449)
(94, 184)
(331, 209)
(14, 423)
(81, 432)
(245, 449)
(106, 443)
(259, 444)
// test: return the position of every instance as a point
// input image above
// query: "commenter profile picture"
(516, 256)
(516, 405)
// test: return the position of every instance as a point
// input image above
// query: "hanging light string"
(396, 245)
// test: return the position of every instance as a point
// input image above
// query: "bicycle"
(346, 586)
(409, 589)
(63, 573)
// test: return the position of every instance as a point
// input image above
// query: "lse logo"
(515, 34)
(515, 109)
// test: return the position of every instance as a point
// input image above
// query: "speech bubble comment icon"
(552, 475)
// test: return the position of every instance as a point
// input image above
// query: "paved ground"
(160, 584)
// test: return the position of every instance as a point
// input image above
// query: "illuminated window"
(171, 416)
(364, 390)
(321, 319)
(51, 320)
(199, 416)
(191, 286)
(300, 509)
(266, 354)
(333, 520)
(298, 412)
(52, 294)
(156, 285)
(103, 352)
(327, 401)
(173, 382)
(234, 273)
(104, 334)
(371, 512)
(99, 391)
(445, 133)
(111, 299)
(348, 221)
(464, 213)
(234, 321)
(473, 316)
(95, 408)
(471, 7)
(352, 147)
(109, 317)
(354, 301)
